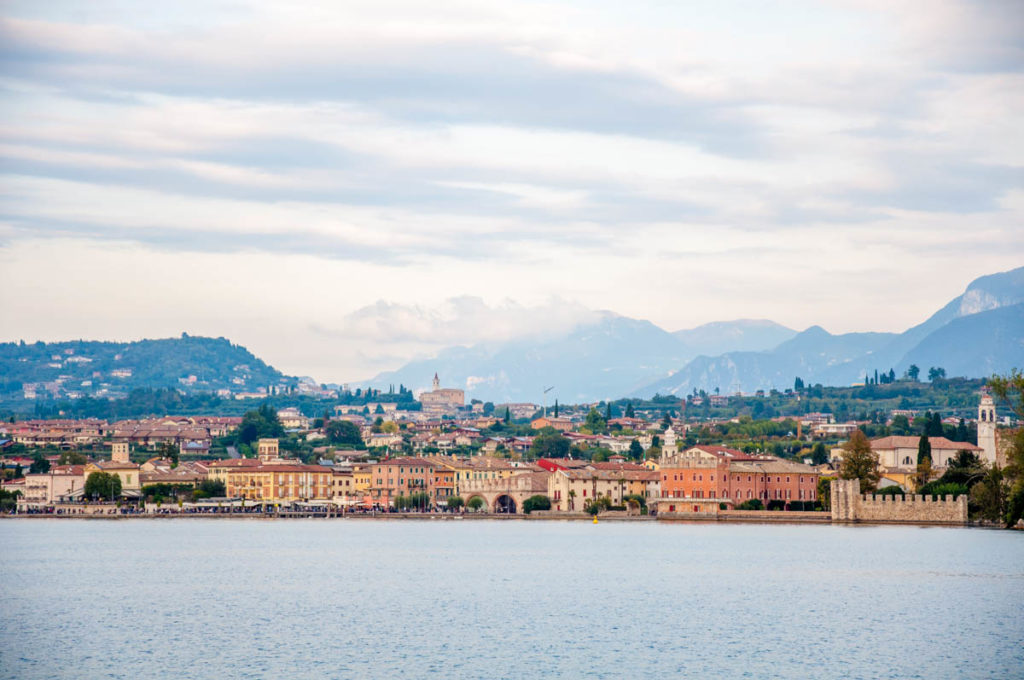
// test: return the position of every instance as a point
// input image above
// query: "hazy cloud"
(482, 165)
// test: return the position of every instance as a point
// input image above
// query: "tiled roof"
(940, 443)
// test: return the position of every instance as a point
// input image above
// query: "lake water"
(209, 598)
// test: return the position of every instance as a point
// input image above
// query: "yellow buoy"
(595, 520)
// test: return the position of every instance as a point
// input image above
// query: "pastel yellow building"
(273, 480)
(128, 472)
(480, 468)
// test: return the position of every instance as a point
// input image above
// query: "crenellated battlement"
(849, 505)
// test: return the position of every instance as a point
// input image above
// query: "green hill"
(112, 369)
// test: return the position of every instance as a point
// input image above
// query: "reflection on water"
(363, 598)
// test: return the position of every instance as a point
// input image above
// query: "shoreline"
(709, 519)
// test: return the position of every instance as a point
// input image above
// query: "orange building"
(711, 472)
(405, 476)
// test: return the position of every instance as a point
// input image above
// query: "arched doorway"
(504, 504)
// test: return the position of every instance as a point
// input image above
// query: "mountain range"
(976, 334)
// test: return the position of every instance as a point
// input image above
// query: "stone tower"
(119, 452)
(669, 442)
(267, 449)
(437, 382)
(987, 428)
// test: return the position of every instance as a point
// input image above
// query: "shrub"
(777, 504)
(752, 504)
(891, 491)
(538, 502)
(939, 489)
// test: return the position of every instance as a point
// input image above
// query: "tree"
(508, 416)
(538, 502)
(819, 456)
(103, 485)
(923, 475)
(72, 458)
(636, 451)
(259, 423)
(343, 432)
(594, 422)
(475, 503)
(455, 502)
(913, 372)
(556, 408)
(1010, 389)
(210, 488)
(989, 495)
(860, 462)
(924, 449)
(170, 452)
(798, 384)
(630, 413)
(825, 492)
(936, 373)
(39, 465)
(550, 444)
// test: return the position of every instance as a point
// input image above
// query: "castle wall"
(849, 505)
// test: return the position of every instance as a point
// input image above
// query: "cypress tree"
(924, 450)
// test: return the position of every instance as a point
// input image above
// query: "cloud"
(480, 164)
(385, 329)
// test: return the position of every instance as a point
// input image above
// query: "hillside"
(111, 369)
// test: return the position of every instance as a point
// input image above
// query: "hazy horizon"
(343, 188)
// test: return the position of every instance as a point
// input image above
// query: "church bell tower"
(987, 428)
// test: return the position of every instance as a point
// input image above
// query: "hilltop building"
(442, 401)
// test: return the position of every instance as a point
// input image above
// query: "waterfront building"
(731, 476)
(62, 482)
(402, 477)
(464, 470)
(273, 480)
(571, 489)
(126, 470)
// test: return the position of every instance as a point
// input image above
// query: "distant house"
(560, 424)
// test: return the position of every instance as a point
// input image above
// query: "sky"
(341, 187)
